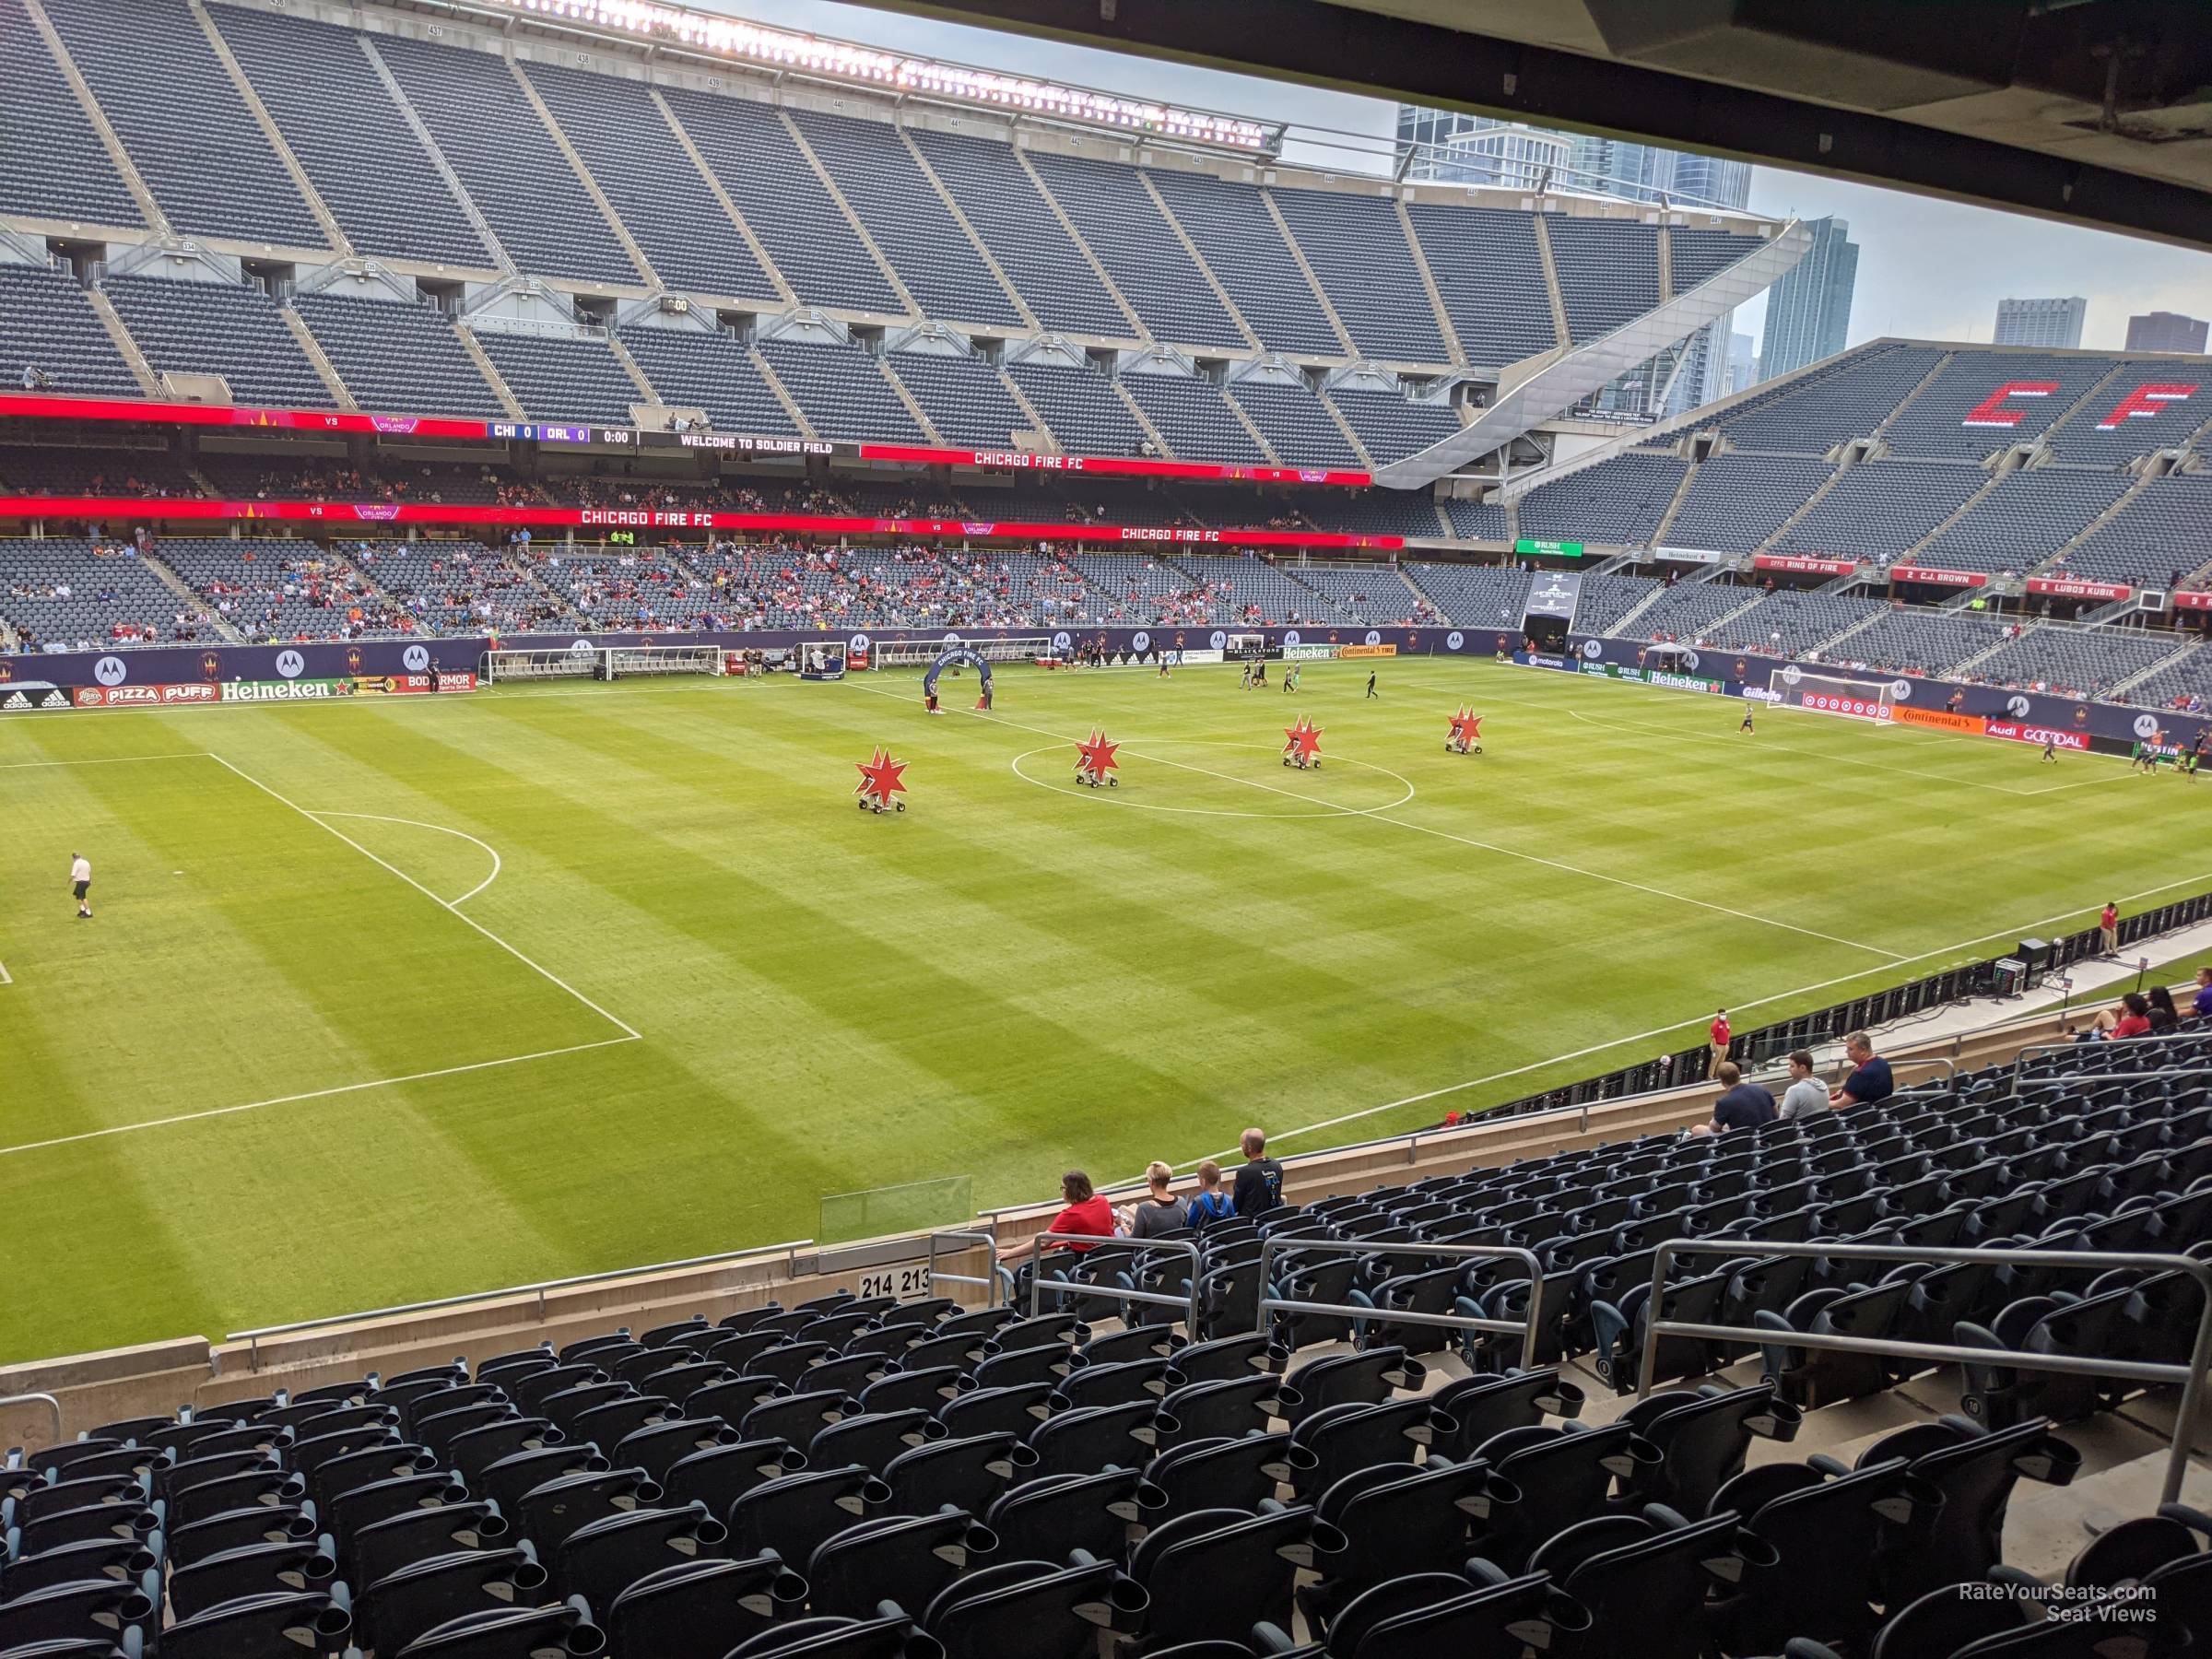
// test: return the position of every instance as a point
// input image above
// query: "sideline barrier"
(46, 1400)
(1527, 1328)
(253, 1338)
(2190, 1376)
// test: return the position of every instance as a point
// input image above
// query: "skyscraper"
(1447, 146)
(2165, 331)
(1808, 312)
(1458, 149)
(2053, 323)
(1743, 365)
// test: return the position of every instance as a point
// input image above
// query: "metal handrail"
(1949, 1065)
(2133, 1076)
(46, 1400)
(990, 1279)
(1150, 1298)
(1528, 1328)
(2191, 1376)
(789, 1251)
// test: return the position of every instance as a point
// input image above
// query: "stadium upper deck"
(430, 219)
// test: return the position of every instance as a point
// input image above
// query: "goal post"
(1853, 698)
(585, 661)
(920, 653)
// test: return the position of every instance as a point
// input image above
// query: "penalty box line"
(629, 1032)
(312, 1094)
(1465, 840)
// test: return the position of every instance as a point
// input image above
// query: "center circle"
(1318, 809)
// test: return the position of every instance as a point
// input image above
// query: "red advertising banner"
(1118, 466)
(1928, 573)
(1804, 565)
(2065, 589)
(23, 404)
(364, 516)
(2192, 601)
(2013, 732)
(144, 697)
(46, 406)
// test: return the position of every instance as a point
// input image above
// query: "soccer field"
(399, 998)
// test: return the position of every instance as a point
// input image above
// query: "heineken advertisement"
(293, 690)
(1656, 676)
(1557, 549)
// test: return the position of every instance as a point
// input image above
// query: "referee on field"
(80, 883)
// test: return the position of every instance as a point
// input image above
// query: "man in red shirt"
(1721, 1035)
(1085, 1212)
(2108, 925)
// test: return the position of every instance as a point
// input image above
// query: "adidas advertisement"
(25, 697)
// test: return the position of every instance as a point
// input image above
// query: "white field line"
(623, 1026)
(378, 817)
(314, 1094)
(104, 760)
(1382, 818)
(5, 979)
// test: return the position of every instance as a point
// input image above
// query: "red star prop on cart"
(1467, 727)
(1097, 754)
(1305, 739)
(881, 776)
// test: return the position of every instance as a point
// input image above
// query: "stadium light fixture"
(735, 38)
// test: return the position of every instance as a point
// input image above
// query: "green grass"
(1009, 978)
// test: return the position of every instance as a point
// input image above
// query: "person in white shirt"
(80, 883)
(1806, 1092)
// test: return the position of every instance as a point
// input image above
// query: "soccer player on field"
(1748, 726)
(80, 883)
(1370, 682)
(2050, 750)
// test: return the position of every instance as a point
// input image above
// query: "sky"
(1928, 269)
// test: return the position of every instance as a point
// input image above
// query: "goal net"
(1830, 694)
(599, 662)
(920, 653)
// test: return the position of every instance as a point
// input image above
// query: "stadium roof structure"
(2087, 111)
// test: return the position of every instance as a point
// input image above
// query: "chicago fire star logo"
(881, 778)
(1467, 727)
(1304, 747)
(1097, 756)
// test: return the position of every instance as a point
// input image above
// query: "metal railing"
(789, 1251)
(1150, 1298)
(46, 1400)
(2191, 1376)
(1528, 1328)
(989, 1281)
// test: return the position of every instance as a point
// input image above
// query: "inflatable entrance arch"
(954, 657)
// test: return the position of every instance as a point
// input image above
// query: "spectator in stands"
(1741, 1106)
(1083, 1211)
(1211, 1202)
(2163, 1016)
(1870, 1080)
(1159, 1211)
(2108, 927)
(1260, 1183)
(1806, 1096)
(1721, 1036)
(2130, 1016)
(2203, 1004)
(35, 379)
